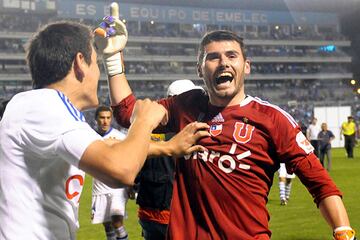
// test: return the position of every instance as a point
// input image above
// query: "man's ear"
(79, 62)
(247, 68)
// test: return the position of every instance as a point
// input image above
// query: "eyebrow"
(230, 52)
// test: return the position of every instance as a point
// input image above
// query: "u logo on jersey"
(243, 132)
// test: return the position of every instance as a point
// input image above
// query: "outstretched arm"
(182, 143)
(118, 164)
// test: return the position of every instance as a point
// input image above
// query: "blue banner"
(173, 14)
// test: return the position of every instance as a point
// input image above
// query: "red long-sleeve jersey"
(222, 192)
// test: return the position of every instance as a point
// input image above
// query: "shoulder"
(267, 110)
(192, 99)
(114, 133)
(195, 96)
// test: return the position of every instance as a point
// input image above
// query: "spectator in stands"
(108, 204)
(325, 137)
(45, 143)
(348, 129)
(222, 192)
(155, 182)
(312, 133)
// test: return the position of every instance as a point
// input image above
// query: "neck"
(226, 102)
(71, 89)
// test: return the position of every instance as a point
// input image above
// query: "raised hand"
(149, 112)
(110, 39)
(184, 142)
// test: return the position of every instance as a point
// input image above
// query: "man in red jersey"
(221, 193)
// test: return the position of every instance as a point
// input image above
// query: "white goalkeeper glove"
(110, 39)
(344, 233)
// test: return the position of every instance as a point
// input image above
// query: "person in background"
(155, 181)
(312, 133)
(348, 129)
(108, 204)
(221, 193)
(325, 137)
(285, 183)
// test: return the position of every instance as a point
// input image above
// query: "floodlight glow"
(352, 81)
(328, 48)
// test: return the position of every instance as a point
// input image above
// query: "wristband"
(344, 233)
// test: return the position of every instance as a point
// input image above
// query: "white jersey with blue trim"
(42, 139)
(99, 187)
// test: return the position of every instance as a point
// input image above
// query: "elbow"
(124, 177)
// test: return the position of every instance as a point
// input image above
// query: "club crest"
(216, 129)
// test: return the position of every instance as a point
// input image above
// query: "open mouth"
(224, 77)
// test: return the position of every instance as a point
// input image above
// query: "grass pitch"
(299, 220)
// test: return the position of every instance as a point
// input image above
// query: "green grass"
(299, 220)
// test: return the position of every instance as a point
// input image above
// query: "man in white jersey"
(45, 143)
(108, 204)
(285, 183)
(312, 133)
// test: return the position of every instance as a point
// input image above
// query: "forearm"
(119, 88)
(334, 212)
(159, 148)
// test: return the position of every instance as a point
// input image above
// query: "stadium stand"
(301, 56)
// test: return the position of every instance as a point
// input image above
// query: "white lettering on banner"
(143, 12)
(238, 17)
(199, 15)
(85, 10)
(176, 14)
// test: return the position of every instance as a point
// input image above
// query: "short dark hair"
(51, 52)
(102, 109)
(3, 105)
(217, 36)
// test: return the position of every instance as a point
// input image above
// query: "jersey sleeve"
(58, 136)
(296, 152)
(123, 110)
(73, 143)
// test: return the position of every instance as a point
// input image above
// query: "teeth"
(225, 74)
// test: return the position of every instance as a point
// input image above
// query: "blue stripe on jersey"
(77, 115)
(108, 131)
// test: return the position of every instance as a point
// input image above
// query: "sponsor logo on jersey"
(216, 130)
(218, 118)
(225, 162)
(304, 143)
(73, 187)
